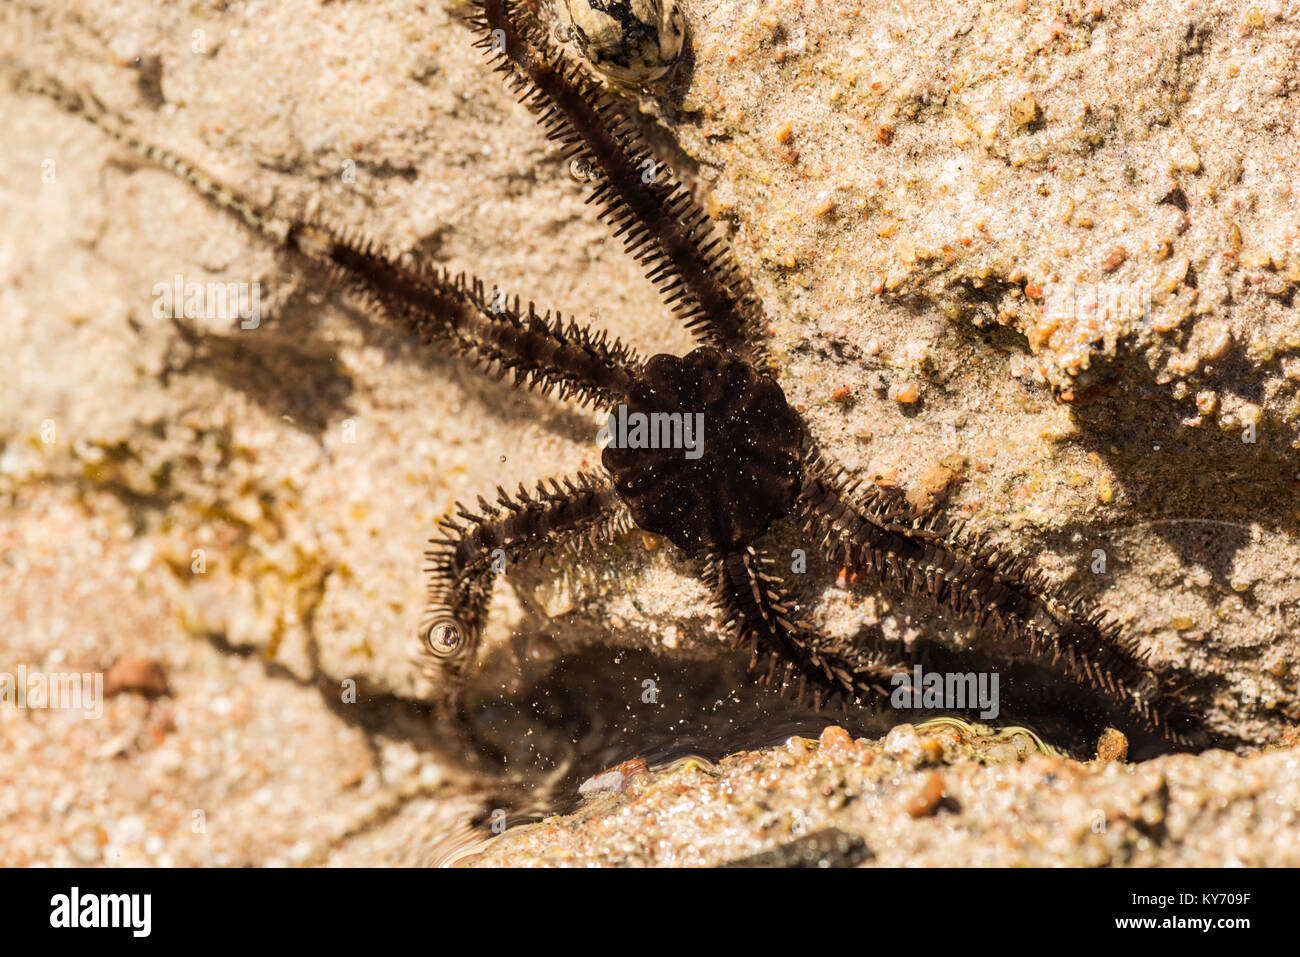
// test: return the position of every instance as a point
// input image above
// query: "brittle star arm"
(864, 530)
(660, 223)
(472, 548)
(782, 648)
(453, 312)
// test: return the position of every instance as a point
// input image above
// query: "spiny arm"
(784, 651)
(452, 312)
(861, 529)
(660, 223)
(473, 547)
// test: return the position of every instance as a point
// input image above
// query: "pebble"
(936, 479)
(614, 781)
(833, 736)
(1112, 746)
(904, 743)
(928, 797)
(904, 394)
(836, 743)
(885, 477)
(1024, 109)
(141, 675)
(1114, 258)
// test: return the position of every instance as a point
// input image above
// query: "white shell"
(632, 41)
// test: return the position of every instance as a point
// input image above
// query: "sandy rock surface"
(1032, 263)
(938, 797)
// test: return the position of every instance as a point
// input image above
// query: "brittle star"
(757, 465)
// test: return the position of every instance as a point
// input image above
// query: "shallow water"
(591, 715)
